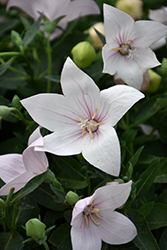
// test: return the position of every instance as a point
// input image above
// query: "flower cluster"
(83, 119)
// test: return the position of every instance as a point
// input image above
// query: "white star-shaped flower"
(127, 45)
(82, 119)
(94, 218)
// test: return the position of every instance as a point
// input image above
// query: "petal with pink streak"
(116, 101)
(114, 21)
(145, 58)
(11, 166)
(115, 228)
(145, 33)
(103, 151)
(17, 183)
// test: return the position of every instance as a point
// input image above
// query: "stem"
(89, 186)
(49, 56)
(20, 116)
(45, 245)
(10, 54)
(14, 216)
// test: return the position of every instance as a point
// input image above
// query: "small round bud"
(131, 7)
(119, 180)
(164, 66)
(2, 203)
(83, 54)
(72, 197)
(35, 229)
(4, 111)
(155, 80)
(16, 38)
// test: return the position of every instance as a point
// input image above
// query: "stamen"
(86, 219)
(116, 48)
(96, 223)
(95, 113)
(90, 132)
(83, 130)
(129, 41)
(89, 211)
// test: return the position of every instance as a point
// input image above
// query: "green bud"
(72, 197)
(4, 111)
(164, 66)
(35, 229)
(119, 180)
(57, 184)
(2, 203)
(16, 38)
(155, 80)
(83, 54)
(16, 102)
(50, 177)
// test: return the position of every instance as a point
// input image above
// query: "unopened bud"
(72, 197)
(83, 54)
(35, 229)
(155, 80)
(164, 66)
(96, 42)
(16, 38)
(131, 7)
(16, 102)
(4, 111)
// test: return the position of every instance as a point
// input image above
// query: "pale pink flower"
(159, 15)
(82, 119)
(94, 218)
(127, 45)
(16, 169)
(54, 9)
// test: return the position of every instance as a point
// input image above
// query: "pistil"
(124, 48)
(90, 125)
(89, 211)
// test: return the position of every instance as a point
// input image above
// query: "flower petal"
(115, 228)
(78, 8)
(103, 151)
(111, 196)
(145, 33)
(159, 15)
(17, 183)
(83, 237)
(130, 72)
(114, 21)
(117, 100)
(11, 166)
(145, 58)
(72, 78)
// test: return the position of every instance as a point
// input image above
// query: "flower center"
(124, 48)
(90, 125)
(91, 211)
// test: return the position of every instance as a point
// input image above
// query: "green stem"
(45, 245)
(14, 216)
(49, 56)
(20, 116)
(10, 54)
(89, 186)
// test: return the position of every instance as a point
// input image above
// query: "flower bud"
(83, 54)
(96, 42)
(164, 66)
(35, 229)
(131, 7)
(155, 80)
(16, 38)
(16, 102)
(4, 111)
(72, 197)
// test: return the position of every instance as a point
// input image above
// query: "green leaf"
(101, 36)
(163, 241)
(29, 187)
(147, 178)
(144, 239)
(162, 173)
(7, 25)
(158, 216)
(5, 66)
(30, 34)
(59, 194)
(9, 241)
(46, 197)
(129, 135)
(136, 156)
(53, 78)
(59, 234)
(146, 209)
